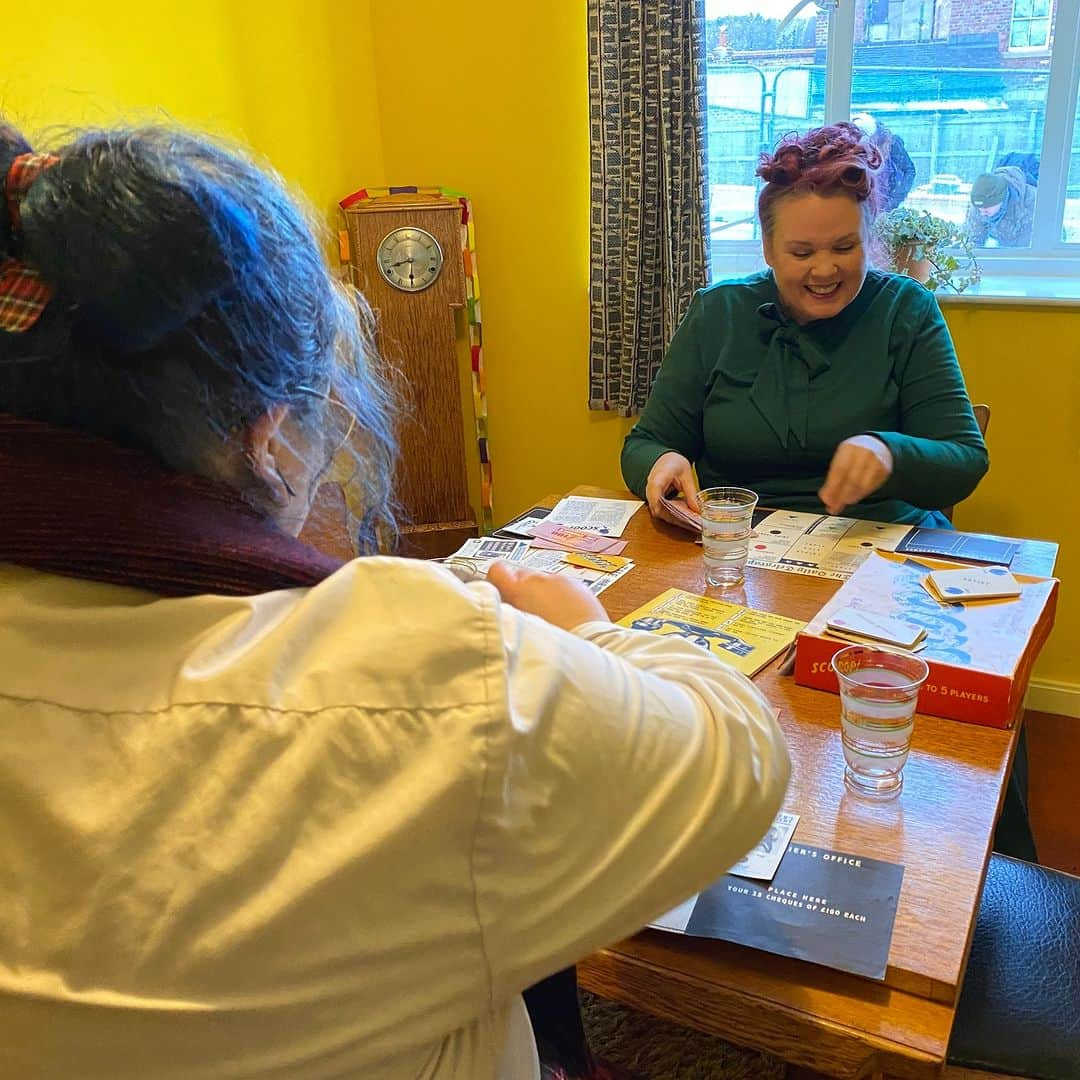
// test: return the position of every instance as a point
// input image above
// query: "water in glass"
(877, 717)
(725, 545)
(727, 515)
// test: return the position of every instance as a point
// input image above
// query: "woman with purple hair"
(820, 383)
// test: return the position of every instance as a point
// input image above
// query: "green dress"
(755, 400)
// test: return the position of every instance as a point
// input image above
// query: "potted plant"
(934, 251)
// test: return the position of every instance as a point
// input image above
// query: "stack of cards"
(477, 555)
(550, 534)
(869, 628)
(684, 517)
(971, 583)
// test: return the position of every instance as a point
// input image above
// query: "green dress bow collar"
(781, 390)
(795, 356)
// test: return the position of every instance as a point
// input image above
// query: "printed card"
(829, 907)
(965, 547)
(761, 863)
(592, 561)
(574, 539)
(875, 627)
(991, 583)
(522, 527)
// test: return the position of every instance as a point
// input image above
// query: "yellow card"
(605, 563)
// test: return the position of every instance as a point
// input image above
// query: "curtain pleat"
(648, 238)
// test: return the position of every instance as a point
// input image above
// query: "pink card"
(574, 539)
(568, 539)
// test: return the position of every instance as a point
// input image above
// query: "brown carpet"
(658, 1050)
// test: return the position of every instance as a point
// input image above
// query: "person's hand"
(670, 471)
(858, 468)
(560, 600)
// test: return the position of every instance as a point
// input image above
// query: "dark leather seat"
(1019, 1009)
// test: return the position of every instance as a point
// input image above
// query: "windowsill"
(1016, 289)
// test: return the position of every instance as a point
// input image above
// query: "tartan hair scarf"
(24, 294)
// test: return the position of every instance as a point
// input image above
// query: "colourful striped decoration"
(472, 310)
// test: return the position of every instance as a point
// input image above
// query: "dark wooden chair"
(982, 418)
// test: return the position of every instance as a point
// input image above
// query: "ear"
(261, 446)
(767, 251)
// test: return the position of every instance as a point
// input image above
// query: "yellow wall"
(490, 97)
(1025, 363)
(504, 117)
(294, 81)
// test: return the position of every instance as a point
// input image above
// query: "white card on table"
(873, 643)
(523, 526)
(867, 624)
(677, 917)
(974, 583)
(761, 863)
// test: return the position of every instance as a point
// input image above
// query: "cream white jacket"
(334, 832)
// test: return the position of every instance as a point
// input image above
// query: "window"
(951, 90)
(903, 20)
(1030, 24)
(762, 82)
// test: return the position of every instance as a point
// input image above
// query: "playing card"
(576, 539)
(954, 586)
(593, 561)
(761, 863)
(522, 527)
(686, 518)
(867, 624)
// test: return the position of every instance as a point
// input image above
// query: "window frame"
(1048, 255)
(1028, 50)
(929, 26)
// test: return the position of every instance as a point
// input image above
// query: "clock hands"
(402, 262)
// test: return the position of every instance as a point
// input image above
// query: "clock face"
(410, 259)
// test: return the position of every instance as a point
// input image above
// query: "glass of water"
(726, 521)
(879, 691)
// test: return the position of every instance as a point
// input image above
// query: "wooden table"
(940, 829)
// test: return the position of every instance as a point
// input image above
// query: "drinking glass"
(879, 690)
(726, 521)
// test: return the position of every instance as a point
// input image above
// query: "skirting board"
(1060, 698)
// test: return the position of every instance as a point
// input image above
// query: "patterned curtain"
(649, 245)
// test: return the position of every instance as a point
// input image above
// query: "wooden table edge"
(604, 973)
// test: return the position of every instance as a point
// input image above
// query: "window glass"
(946, 112)
(1070, 231)
(762, 83)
